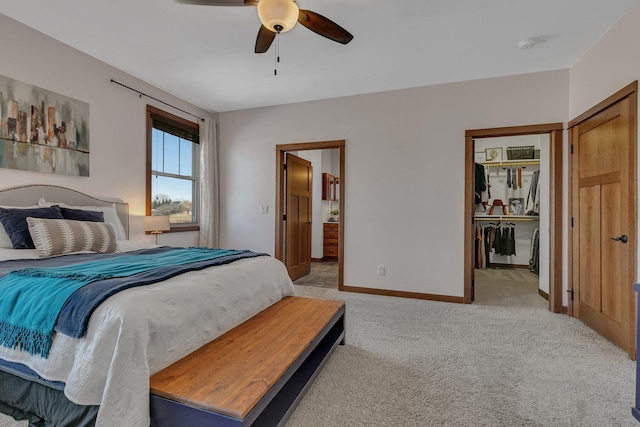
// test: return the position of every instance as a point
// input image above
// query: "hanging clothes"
(488, 231)
(485, 194)
(493, 237)
(476, 264)
(533, 197)
(536, 200)
(483, 259)
(506, 242)
(512, 240)
(481, 183)
(534, 254)
(497, 241)
(484, 241)
(514, 178)
(478, 255)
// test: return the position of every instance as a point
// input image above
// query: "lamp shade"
(156, 224)
(278, 15)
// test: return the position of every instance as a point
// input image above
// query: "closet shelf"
(507, 217)
(524, 162)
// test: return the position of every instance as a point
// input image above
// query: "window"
(173, 153)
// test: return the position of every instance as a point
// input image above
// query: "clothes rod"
(156, 99)
(507, 218)
(505, 163)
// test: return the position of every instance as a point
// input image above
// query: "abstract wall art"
(42, 131)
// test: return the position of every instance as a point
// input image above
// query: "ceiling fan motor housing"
(278, 15)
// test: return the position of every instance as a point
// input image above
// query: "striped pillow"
(62, 236)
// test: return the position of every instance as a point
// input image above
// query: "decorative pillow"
(5, 240)
(110, 215)
(82, 215)
(15, 223)
(62, 236)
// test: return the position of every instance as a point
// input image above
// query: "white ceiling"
(204, 54)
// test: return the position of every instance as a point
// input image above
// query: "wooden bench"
(254, 374)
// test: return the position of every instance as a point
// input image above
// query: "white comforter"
(140, 331)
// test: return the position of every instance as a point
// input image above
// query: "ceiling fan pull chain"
(277, 55)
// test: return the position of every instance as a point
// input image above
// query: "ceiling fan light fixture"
(278, 16)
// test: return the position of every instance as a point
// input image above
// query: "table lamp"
(156, 225)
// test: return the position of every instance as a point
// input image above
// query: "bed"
(103, 376)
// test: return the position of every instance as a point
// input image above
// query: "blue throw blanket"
(31, 298)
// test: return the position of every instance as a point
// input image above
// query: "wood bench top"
(232, 373)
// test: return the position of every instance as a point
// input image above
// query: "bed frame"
(313, 329)
(29, 195)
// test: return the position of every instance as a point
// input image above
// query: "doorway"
(511, 263)
(554, 174)
(280, 233)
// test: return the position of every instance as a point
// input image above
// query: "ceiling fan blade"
(264, 39)
(220, 2)
(324, 26)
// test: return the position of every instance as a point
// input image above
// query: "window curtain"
(209, 189)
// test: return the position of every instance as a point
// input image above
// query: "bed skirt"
(43, 406)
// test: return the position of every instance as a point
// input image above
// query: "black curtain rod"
(156, 99)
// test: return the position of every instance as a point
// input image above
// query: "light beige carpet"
(420, 363)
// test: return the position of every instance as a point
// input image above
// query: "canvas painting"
(42, 131)
(493, 154)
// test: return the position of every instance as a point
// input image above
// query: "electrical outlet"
(381, 270)
(264, 209)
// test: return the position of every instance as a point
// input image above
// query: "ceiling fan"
(279, 16)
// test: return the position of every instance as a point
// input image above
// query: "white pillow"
(5, 240)
(110, 215)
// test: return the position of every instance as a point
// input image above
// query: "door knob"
(623, 238)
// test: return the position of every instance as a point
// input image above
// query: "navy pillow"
(82, 215)
(15, 223)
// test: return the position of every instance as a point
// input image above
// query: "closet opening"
(511, 258)
(514, 238)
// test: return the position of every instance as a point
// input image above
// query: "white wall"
(611, 64)
(117, 118)
(315, 157)
(397, 143)
(399, 210)
(322, 161)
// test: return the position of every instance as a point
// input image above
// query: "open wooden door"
(604, 224)
(299, 178)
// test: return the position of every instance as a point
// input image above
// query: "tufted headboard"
(28, 195)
